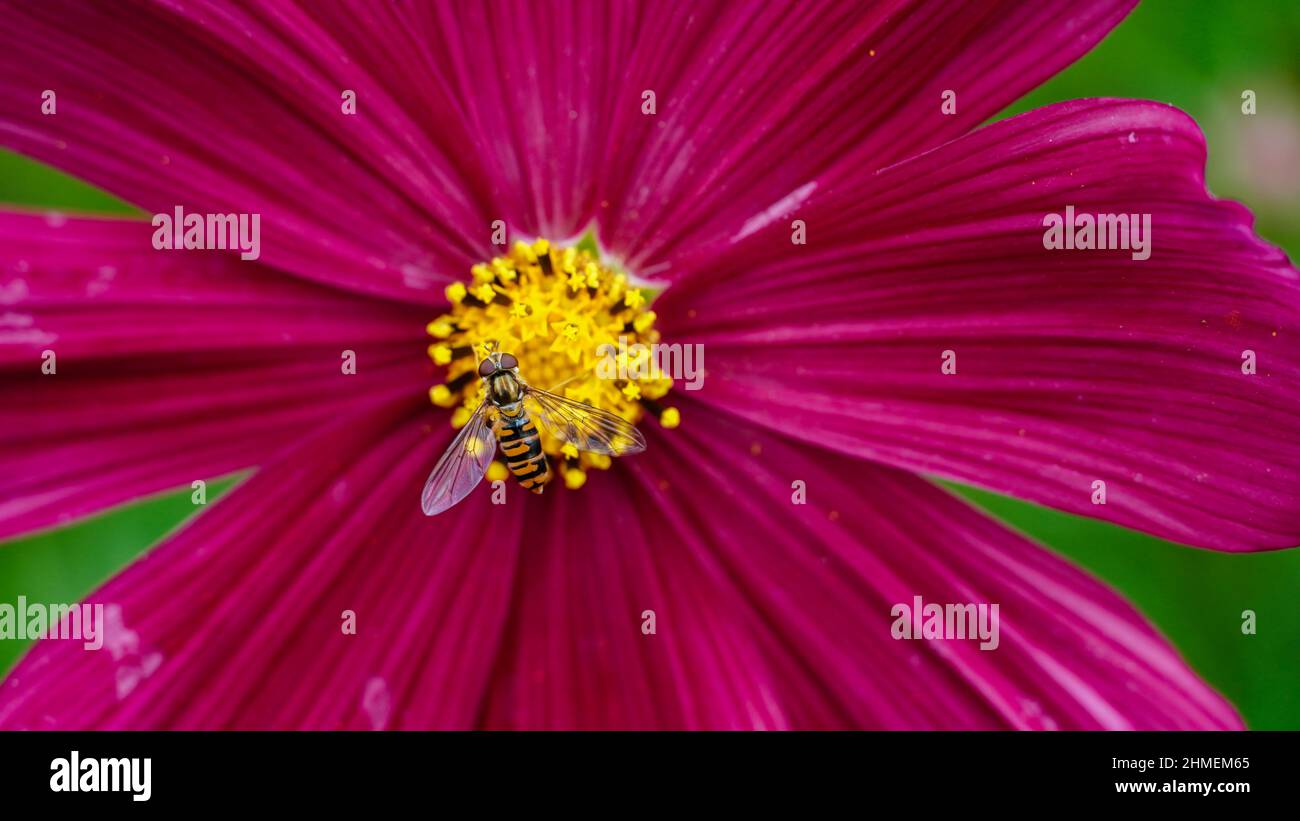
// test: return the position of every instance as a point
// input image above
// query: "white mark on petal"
(339, 491)
(777, 211)
(15, 291)
(123, 643)
(100, 283)
(9, 319)
(377, 703)
(415, 276)
(1032, 712)
(129, 675)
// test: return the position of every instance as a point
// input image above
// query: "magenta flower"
(690, 137)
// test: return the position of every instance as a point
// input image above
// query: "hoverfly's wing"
(462, 467)
(583, 426)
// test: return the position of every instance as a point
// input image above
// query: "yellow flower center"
(559, 311)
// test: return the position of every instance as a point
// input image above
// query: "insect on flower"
(507, 410)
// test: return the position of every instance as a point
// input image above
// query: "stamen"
(554, 308)
(668, 417)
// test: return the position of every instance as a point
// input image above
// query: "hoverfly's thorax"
(504, 389)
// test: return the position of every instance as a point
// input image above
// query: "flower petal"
(534, 89)
(539, 114)
(1073, 367)
(167, 367)
(531, 614)
(240, 620)
(814, 585)
(617, 625)
(759, 104)
(224, 109)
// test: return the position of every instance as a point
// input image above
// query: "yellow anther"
(575, 478)
(670, 418)
(655, 388)
(440, 354)
(523, 252)
(577, 280)
(496, 472)
(440, 328)
(441, 396)
(503, 268)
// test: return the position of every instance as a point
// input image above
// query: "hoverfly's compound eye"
(486, 367)
(508, 361)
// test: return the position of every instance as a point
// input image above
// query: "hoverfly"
(505, 418)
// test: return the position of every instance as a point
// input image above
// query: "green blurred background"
(1196, 54)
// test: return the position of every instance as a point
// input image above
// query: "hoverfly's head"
(497, 361)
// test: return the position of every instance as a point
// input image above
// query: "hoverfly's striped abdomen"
(522, 448)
